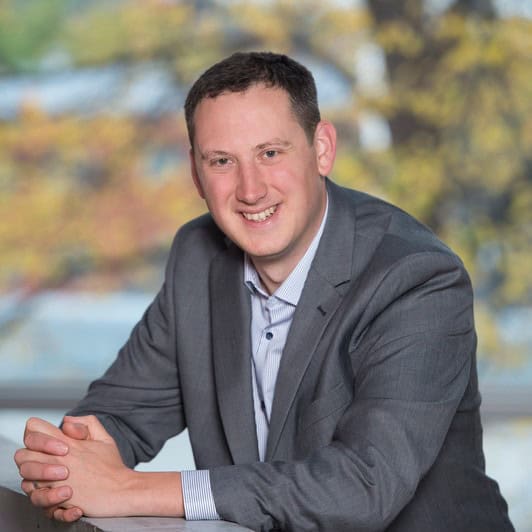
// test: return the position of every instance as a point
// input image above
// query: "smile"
(260, 216)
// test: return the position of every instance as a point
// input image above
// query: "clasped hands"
(74, 471)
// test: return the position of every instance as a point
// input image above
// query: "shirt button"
(269, 335)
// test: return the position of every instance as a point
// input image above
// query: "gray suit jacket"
(375, 421)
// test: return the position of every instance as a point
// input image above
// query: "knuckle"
(49, 472)
(29, 439)
(24, 470)
(19, 456)
(72, 514)
(31, 423)
(35, 498)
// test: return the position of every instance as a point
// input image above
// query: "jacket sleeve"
(138, 398)
(411, 365)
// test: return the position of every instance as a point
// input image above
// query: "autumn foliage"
(92, 200)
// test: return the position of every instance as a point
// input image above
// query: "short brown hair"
(241, 70)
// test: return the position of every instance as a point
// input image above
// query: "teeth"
(260, 216)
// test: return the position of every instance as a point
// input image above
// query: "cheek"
(199, 189)
(286, 179)
(217, 194)
(302, 186)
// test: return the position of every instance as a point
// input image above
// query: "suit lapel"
(321, 296)
(230, 318)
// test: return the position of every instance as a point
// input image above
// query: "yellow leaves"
(344, 21)
(491, 341)
(268, 27)
(354, 172)
(35, 229)
(129, 218)
(139, 29)
(73, 195)
(190, 60)
(466, 94)
(516, 35)
(399, 38)
(418, 182)
(274, 25)
(526, 138)
(458, 97)
(521, 209)
(152, 24)
(466, 55)
(479, 44)
(517, 282)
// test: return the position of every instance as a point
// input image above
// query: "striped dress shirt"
(271, 317)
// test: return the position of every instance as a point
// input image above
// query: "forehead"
(258, 97)
(257, 111)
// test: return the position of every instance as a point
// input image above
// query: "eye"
(221, 161)
(270, 154)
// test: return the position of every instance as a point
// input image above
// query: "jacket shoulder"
(201, 233)
(195, 245)
(399, 233)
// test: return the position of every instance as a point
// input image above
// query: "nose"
(251, 186)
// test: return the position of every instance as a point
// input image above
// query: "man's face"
(260, 176)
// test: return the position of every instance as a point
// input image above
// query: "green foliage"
(27, 30)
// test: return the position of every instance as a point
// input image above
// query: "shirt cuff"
(197, 495)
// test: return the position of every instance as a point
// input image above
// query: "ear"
(194, 173)
(325, 146)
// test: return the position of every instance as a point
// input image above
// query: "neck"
(272, 276)
(274, 270)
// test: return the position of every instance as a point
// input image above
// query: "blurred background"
(433, 103)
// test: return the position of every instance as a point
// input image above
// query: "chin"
(260, 251)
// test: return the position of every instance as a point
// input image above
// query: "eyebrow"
(214, 153)
(274, 142)
(220, 153)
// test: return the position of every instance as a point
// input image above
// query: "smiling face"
(260, 177)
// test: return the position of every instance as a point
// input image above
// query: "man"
(318, 343)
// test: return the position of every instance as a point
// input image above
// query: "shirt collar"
(290, 290)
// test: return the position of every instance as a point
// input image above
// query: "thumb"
(85, 428)
(75, 430)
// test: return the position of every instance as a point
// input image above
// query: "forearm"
(333, 490)
(153, 493)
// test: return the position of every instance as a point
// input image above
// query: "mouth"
(260, 216)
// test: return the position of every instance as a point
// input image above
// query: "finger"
(28, 486)
(47, 497)
(49, 512)
(67, 515)
(36, 424)
(43, 472)
(78, 431)
(26, 455)
(45, 443)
